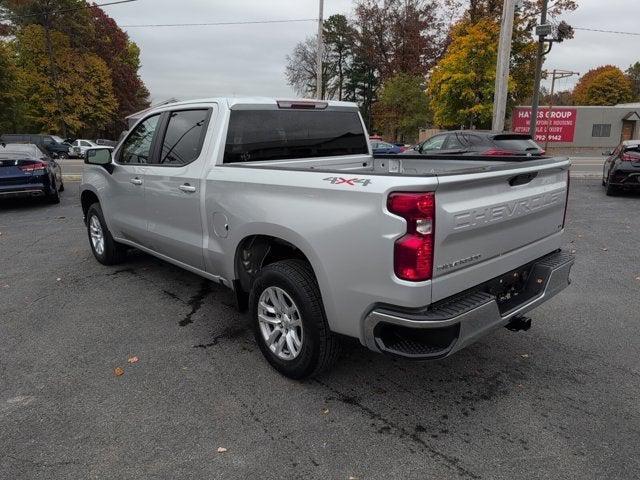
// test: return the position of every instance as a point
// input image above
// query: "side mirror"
(98, 156)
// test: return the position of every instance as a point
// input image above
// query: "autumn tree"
(400, 36)
(7, 88)
(633, 72)
(81, 99)
(402, 107)
(461, 86)
(527, 13)
(88, 30)
(605, 85)
(122, 57)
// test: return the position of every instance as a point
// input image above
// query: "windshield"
(57, 139)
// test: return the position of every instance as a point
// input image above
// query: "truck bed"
(410, 165)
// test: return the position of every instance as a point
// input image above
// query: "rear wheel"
(54, 197)
(106, 250)
(289, 321)
(610, 190)
(63, 155)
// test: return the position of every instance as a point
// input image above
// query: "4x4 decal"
(348, 181)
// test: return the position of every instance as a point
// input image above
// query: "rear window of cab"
(261, 135)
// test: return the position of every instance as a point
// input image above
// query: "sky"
(206, 61)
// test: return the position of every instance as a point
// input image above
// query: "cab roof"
(264, 103)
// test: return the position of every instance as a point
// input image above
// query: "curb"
(72, 178)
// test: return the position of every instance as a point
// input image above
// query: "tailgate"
(490, 223)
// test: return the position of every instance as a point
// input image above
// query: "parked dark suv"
(55, 146)
(621, 169)
(478, 142)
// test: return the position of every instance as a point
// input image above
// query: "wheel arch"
(255, 252)
(88, 198)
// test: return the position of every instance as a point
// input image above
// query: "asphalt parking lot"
(557, 402)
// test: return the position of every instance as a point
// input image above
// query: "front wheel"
(610, 190)
(63, 155)
(289, 321)
(106, 250)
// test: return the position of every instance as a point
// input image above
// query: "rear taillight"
(566, 200)
(413, 252)
(496, 152)
(35, 167)
(628, 157)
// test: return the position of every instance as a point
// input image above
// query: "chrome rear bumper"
(453, 323)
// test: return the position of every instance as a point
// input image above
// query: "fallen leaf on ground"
(325, 411)
(525, 355)
(605, 249)
(58, 279)
(573, 251)
(133, 360)
(118, 371)
(221, 450)
(637, 278)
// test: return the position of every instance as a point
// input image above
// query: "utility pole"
(555, 75)
(320, 51)
(538, 76)
(502, 67)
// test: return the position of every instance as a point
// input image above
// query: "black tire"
(113, 252)
(54, 198)
(320, 347)
(61, 189)
(610, 190)
(63, 155)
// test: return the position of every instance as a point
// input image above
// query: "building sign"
(557, 125)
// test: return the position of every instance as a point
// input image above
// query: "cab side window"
(136, 149)
(183, 139)
(434, 143)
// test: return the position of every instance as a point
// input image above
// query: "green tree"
(633, 72)
(605, 85)
(461, 86)
(339, 41)
(402, 107)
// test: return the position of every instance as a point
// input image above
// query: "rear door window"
(434, 143)
(453, 142)
(517, 144)
(136, 149)
(184, 137)
(260, 135)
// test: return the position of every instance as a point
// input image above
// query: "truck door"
(173, 186)
(126, 199)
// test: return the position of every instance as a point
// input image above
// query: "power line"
(607, 31)
(79, 7)
(218, 23)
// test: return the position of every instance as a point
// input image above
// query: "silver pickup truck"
(283, 202)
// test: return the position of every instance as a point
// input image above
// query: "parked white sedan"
(79, 148)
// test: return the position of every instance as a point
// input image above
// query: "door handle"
(187, 188)
(136, 181)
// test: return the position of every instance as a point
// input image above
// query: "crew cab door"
(173, 186)
(125, 204)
